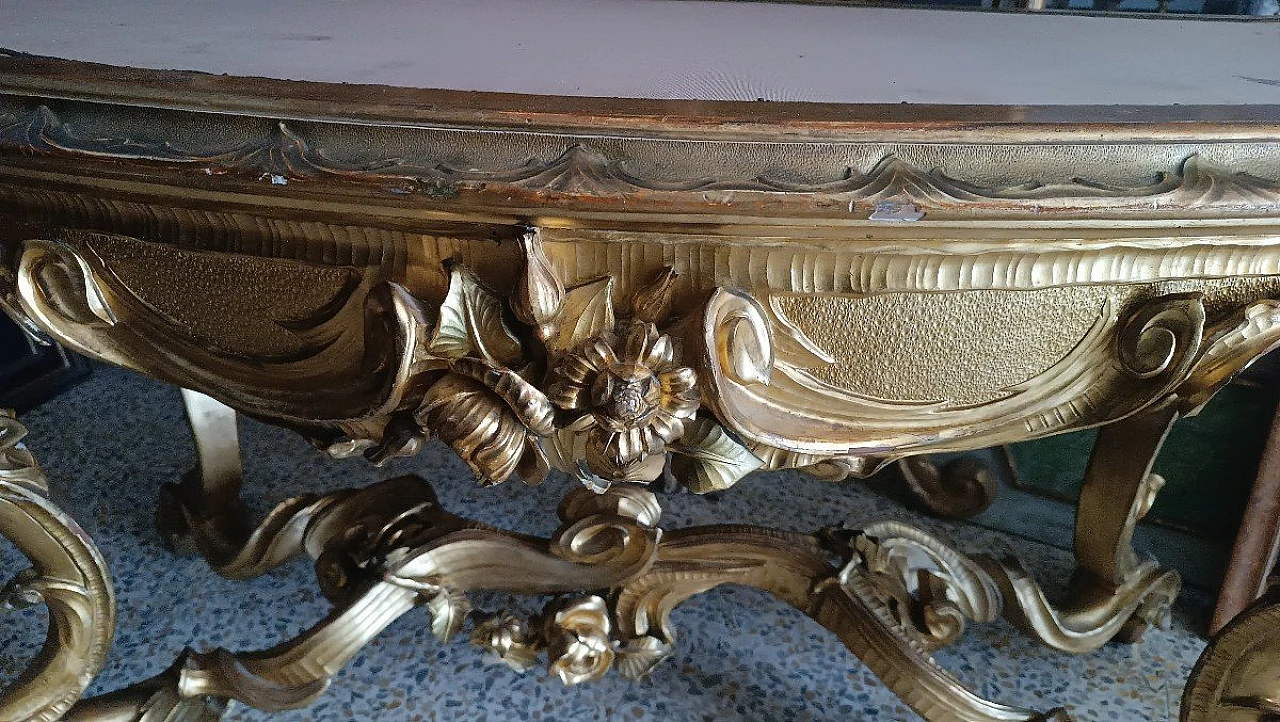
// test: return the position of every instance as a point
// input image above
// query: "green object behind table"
(1209, 463)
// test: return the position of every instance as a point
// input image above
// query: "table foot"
(958, 489)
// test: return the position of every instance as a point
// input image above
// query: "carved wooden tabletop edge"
(800, 163)
(23, 74)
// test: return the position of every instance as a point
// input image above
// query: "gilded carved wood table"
(568, 238)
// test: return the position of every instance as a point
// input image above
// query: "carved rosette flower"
(630, 397)
(618, 402)
(578, 642)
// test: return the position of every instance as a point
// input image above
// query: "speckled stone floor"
(109, 444)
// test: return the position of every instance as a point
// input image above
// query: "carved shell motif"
(618, 400)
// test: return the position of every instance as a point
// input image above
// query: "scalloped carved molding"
(284, 152)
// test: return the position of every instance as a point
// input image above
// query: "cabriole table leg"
(204, 512)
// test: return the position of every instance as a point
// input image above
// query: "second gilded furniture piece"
(669, 285)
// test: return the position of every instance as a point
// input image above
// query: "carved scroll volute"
(743, 344)
(1170, 341)
(605, 539)
(57, 289)
(737, 351)
(1161, 340)
(68, 575)
(1231, 346)
(341, 358)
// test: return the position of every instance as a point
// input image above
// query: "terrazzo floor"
(108, 444)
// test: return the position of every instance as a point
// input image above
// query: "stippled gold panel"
(956, 347)
(246, 305)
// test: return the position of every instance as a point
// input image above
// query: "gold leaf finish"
(508, 639)
(540, 293)
(630, 398)
(627, 290)
(588, 311)
(68, 575)
(578, 641)
(709, 460)
(652, 304)
(470, 324)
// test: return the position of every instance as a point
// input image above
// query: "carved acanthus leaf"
(448, 613)
(283, 155)
(578, 169)
(566, 450)
(509, 639)
(935, 589)
(1230, 347)
(708, 459)
(470, 324)
(588, 312)
(637, 657)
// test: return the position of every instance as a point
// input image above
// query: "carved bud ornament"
(617, 398)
